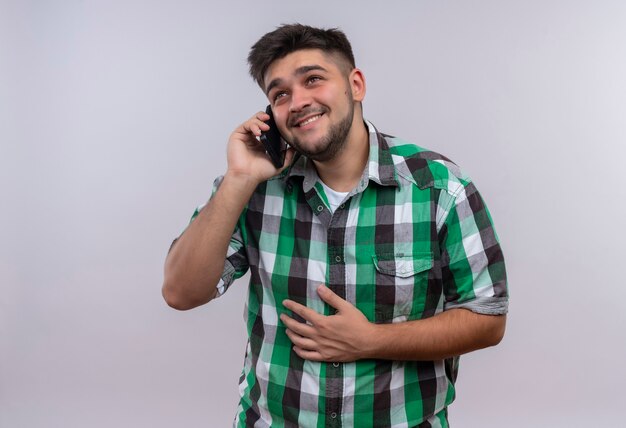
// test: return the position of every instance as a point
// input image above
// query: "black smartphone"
(272, 141)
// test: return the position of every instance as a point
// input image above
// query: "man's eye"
(313, 79)
(279, 95)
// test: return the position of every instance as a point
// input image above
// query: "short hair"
(289, 38)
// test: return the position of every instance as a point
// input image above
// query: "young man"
(374, 263)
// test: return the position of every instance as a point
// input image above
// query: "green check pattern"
(413, 239)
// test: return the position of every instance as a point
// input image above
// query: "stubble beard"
(333, 142)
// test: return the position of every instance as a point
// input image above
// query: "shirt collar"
(380, 167)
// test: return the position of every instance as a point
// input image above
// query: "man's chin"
(309, 148)
(322, 146)
(320, 154)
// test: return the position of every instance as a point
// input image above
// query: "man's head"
(315, 91)
(293, 37)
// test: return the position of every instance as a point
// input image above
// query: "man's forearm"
(195, 263)
(349, 336)
(447, 334)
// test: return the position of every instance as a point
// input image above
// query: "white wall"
(113, 122)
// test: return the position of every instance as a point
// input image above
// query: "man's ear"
(357, 84)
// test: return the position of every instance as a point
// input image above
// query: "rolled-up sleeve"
(473, 270)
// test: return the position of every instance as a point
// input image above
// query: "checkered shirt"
(413, 239)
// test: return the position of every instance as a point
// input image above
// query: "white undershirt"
(334, 197)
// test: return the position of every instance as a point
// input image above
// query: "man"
(374, 263)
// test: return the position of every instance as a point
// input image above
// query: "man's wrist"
(241, 182)
(372, 342)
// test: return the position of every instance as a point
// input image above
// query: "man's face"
(312, 102)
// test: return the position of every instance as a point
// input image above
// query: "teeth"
(309, 120)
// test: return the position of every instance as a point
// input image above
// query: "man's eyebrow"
(298, 72)
(306, 68)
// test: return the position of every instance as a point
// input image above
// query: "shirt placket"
(335, 227)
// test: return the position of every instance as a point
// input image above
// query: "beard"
(334, 140)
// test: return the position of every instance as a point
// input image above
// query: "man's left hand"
(342, 337)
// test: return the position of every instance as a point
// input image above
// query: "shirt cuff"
(228, 276)
(482, 305)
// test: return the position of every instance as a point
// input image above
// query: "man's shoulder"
(424, 167)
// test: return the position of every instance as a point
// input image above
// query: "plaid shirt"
(413, 239)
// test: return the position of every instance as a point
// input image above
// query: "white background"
(113, 121)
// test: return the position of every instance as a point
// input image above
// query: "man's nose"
(300, 99)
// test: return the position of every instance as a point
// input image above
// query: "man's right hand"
(195, 263)
(245, 154)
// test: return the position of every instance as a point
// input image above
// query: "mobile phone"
(272, 141)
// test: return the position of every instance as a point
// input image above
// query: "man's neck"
(343, 172)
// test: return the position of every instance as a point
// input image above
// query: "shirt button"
(333, 415)
(338, 259)
(320, 208)
(335, 364)
(342, 206)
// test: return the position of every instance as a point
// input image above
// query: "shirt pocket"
(401, 284)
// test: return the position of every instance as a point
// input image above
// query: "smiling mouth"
(308, 120)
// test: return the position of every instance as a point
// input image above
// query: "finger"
(258, 122)
(301, 342)
(299, 327)
(308, 355)
(255, 127)
(261, 115)
(308, 314)
(331, 298)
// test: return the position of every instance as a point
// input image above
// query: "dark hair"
(289, 38)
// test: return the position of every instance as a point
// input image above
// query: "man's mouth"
(303, 122)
